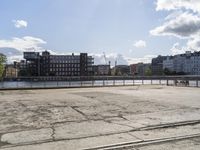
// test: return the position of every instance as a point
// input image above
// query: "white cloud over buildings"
(182, 22)
(14, 48)
(23, 44)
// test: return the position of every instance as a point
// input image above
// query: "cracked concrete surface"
(58, 119)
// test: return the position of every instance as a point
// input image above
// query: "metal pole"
(93, 82)
(2, 84)
(17, 84)
(44, 84)
(31, 83)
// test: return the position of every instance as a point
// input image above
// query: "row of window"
(67, 73)
(65, 65)
(64, 57)
(64, 61)
(64, 69)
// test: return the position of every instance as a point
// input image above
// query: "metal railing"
(97, 81)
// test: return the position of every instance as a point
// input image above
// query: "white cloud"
(112, 57)
(177, 49)
(23, 44)
(193, 5)
(15, 47)
(140, 44)
(121, 60)
(145, 59)
(183, 22)
(13, 58)
(183, 26)
(20, 23)
(194, 44)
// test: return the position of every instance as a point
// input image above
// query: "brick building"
(58, 65)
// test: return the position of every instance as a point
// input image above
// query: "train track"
(129, 145)
(133, 144)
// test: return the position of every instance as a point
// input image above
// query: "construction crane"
(104, 54)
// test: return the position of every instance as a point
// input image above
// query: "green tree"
(2, 65)
(148, 72)
(166, 71)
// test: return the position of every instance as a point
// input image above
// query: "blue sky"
(94, 26)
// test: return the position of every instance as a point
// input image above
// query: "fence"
(70, 82)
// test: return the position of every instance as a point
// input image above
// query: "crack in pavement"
(53, 133)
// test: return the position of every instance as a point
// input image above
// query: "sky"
(127, 31)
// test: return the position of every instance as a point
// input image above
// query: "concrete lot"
(132, 117)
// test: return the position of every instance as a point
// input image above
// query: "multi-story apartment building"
(188, 63)
(133, 69)
(168, 63)
(102, 70)
(58, 65)
(157, 65)
(11, 71)
(139, 69)
(194, 63)
(121, 70)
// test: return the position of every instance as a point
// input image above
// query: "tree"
(167, 71)
(148, 72)
(2, 65)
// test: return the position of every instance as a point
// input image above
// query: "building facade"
(188, 63)
(140, 69)
(168, 63)
(58, 65)
(121, 70)
(157, 65)
(102, 70)
(11, 71)
(133, 69)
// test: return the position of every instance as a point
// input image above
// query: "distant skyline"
(128, 31)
